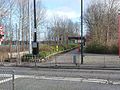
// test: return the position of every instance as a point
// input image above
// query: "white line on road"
(8, 79)
(89, 80)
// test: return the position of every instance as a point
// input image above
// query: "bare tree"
(61, 29)
(101, 21)
(23, 17)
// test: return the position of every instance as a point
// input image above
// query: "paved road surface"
(65, 79)
(32, 84)
(62, 79)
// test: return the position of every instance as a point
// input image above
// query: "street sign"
(1, 34)
(34, 44)
(35, 48)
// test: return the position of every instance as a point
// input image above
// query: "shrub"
(43, 54)
(72, 45)
(69, 46)
(96, 48)
(26, 57)
(61, 48)
(46, 48)
(114, 49)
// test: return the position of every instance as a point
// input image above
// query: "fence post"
(13, 81)
(74, 59)
(1, 60)
(55, 61)
(35, 57)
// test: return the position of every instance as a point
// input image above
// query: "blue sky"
(67, 8)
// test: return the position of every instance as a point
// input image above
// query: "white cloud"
(63, 12)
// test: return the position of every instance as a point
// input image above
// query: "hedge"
(101, 49)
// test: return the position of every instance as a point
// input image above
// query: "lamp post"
(81, 31)
(119, 32)
(35, 43)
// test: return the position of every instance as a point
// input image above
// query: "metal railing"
(6, 80)
(101, 60)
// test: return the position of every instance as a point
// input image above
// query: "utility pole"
(119, 32)
(81, 31)
(35, 43)
(29, 15)
(16, 38)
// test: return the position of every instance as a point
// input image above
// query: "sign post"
(81, 31)
(35, 45)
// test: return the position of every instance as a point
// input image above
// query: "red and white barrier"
(2, 33)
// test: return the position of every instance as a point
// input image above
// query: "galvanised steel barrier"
(6, 80)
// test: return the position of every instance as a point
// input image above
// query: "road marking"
(5, 80)
(8, 79)
(89, 80)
